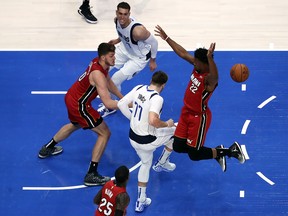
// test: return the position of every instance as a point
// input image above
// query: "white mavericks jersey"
(144, 101)
(136, 48)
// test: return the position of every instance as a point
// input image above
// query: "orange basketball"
(239, 72)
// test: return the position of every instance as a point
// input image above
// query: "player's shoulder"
(123, 198)
(138, 87)
(156, 96)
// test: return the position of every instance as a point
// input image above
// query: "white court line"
(265, 178)
(244, 150)
(266, 101)
(168, 49)
(54, 188)
(245, 126)
(73, 187)
(48, 92)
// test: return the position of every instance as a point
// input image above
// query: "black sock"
(86, 3)
(223, 152)
(51, 143)
(93, 167)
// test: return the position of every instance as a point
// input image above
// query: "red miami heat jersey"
(107, 205)
(81, 91)
(196, 97)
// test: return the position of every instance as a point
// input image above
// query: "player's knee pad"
(201, 154)
(194, 154)
(179, 145)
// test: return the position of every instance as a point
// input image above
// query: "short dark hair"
(105, 48)
(123, 5)
(159, 78)
(201, 54)
(121, 174)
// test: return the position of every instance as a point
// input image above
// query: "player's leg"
(197, 130)
(180, 135)
(92, 177)
(143, 178)
(50, 148)
(163, 163)
(85, 12)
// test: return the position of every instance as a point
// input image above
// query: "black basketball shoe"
(85, 12)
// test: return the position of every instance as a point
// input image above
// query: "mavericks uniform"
(79, 97)
(131, 55)
(195, 116)
(143, 137)
(107, 206)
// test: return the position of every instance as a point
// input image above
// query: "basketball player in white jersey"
(148, 131)
(136, 47)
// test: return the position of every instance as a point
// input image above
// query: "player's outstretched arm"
(212, 78)
(140, 33)
(98, 80)
(179, 50)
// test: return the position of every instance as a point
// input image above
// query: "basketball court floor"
(254, 113)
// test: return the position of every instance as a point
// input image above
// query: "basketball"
(239, 72)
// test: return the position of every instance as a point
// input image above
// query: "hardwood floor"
(232, 24)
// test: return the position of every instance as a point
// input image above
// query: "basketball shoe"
(139, 207)
(94, 179)
(237, 152)
(105, 111)
(85, 12)
(167, 166)
(47, 152)
(221, 160)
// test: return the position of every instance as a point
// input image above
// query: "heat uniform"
(79, 97)
(107, 206)
(195, 116)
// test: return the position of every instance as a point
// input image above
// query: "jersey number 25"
(105, 207)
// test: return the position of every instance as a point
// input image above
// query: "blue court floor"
(254, 113)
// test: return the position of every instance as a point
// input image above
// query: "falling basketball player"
(196, 116)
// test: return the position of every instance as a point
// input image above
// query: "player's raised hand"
(211, 50)
(160, 32)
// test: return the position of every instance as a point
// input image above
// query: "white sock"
(141, 194)
(164, 156)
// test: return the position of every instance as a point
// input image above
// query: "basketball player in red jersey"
(196, 116)
(94, 81)
(112, 199)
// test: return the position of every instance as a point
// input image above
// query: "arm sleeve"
(154, 45)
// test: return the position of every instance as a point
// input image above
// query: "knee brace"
(202, 154)
(179, 145)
